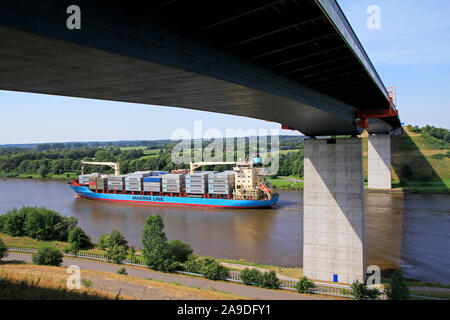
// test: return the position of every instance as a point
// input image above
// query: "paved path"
(242, 267)
(430, 289)
(293, 180)
(238, 289)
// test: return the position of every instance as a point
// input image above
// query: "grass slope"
(428, 173)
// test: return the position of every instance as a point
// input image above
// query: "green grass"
(426, 284)
(430, 173)
(424, 187)
(432, 294)
(32, 175)
(133, 148)
(285, 184)
(152, 152)
(286, 271)
(33, 243)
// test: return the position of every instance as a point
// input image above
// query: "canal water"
(411, 231)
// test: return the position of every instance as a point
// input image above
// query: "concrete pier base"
(379, 162)
(333, 220)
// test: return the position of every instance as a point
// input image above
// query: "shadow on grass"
(12, 262)
(413, 169)
(41, 289)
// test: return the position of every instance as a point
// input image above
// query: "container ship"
(242, 187)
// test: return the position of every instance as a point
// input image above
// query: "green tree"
(117, 239)
(3, 250)
(42, 224)
(13, 222)
(116, 254)
(396, 287)
(179, 250)
(79, 239)
(43, 171)
(304, 285)
(251, 276)
(104, 155)
(47, 255)
(103, 241)
(156, 251)
(58, 166)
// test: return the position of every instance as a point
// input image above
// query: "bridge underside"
(42, 65)
(293, 62)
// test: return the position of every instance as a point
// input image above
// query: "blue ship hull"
(86, 193)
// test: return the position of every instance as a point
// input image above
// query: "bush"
(87, 283)
(361, 292)
(213, 270)
(122, 271)
(13, 222)
(414, 128)
(117, 239)
(79, 239)
(206, 266)
(47, 225)
(438, 156)
(2, 221)
(155, 250)
(191, 265)
(179, 250)
(304, 285)
(47, 255)
(3, 250)
(269, 280)
(103, 241)
(396, 288)
(116, 254)
(251, 276)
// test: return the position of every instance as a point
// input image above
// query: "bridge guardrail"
(321, 288)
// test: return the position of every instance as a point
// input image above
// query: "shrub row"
(267, 279)
(37, 223)
(207, 266)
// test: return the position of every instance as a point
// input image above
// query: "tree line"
(57, 161)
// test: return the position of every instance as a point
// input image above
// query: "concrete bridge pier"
(333, 218)
(379, 162)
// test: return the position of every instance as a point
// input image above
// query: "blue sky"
(411, 51)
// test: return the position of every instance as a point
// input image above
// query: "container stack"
(84, 178)
(93, 182)
(144, 174)
(133, 182)
(174, 183)
(152, 184)
(102, 183)
(159, 173)
(222, 183)
(116, 183)
(197, 183)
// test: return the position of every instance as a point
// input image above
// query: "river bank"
(413, 187)
(51, 176)
(283, 273)
(280, 183)
(407, 230)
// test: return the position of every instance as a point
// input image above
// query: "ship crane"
(114, 165)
